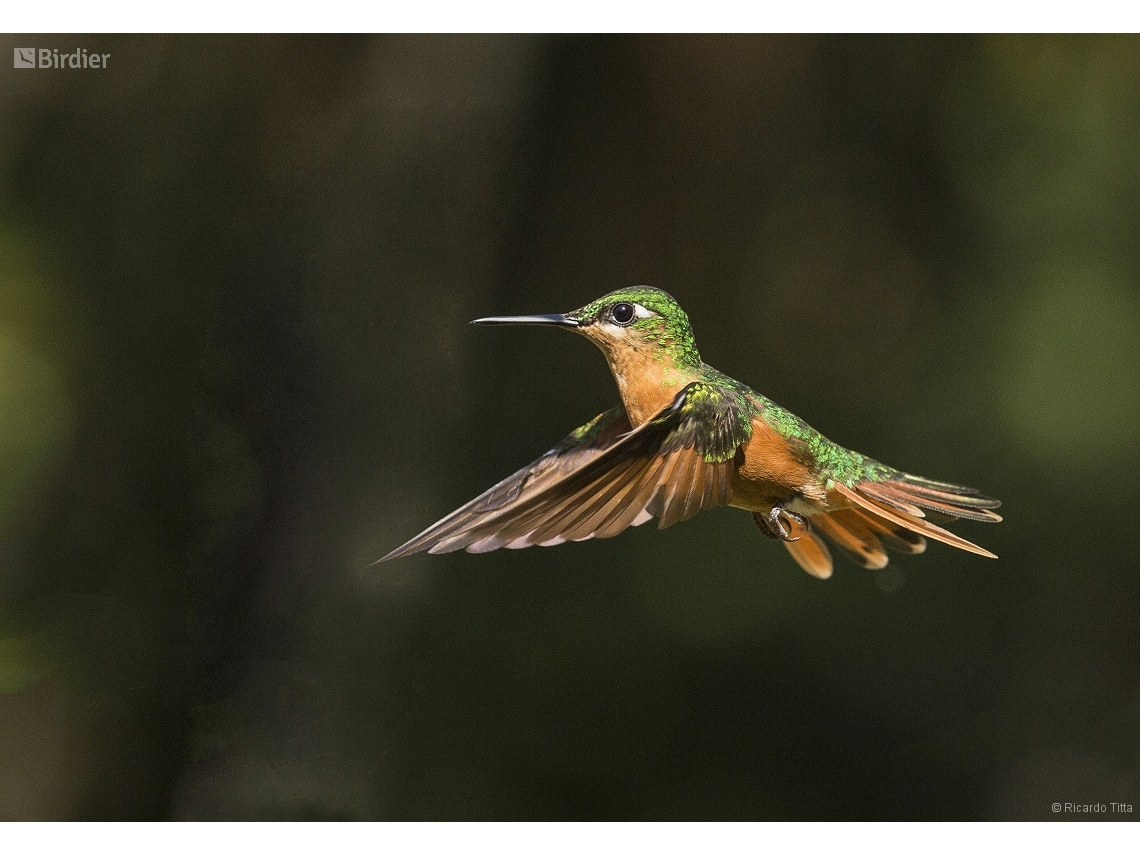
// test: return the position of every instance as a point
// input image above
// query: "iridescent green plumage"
(830, 461)
(669, 329)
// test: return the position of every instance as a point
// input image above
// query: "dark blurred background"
(235, 369)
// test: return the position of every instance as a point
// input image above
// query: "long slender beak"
(544, 320)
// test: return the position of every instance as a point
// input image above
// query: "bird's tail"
(811, 553)
(895, 513)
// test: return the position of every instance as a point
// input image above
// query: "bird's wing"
(672, 466)
(579, 447)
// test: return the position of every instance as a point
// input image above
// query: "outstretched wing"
(579, 447)
(600, 480)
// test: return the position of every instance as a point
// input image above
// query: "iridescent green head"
(640, 316)
(646, 339)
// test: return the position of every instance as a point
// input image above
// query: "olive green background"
(235, 369)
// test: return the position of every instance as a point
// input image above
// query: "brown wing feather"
(668, 467)
(597, 501)
(573, 452)
(543, 518)
(620, 517)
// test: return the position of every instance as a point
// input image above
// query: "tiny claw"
(794, 522)
(781, 524)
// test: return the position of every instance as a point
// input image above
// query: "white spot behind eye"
(640, 311)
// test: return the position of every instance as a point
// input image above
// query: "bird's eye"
(623, 313)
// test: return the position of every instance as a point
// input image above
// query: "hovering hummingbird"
(687, 437)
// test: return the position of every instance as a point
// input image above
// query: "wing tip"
(398, 552)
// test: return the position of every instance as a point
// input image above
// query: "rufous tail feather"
(811, 553)
(890, 506)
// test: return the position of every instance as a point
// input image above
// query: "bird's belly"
(757, 495)
(761, 498)
(771, 473)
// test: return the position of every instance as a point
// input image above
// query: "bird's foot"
(781, 524)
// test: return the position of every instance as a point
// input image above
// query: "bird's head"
(641, 320)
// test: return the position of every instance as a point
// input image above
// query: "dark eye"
(623, 314)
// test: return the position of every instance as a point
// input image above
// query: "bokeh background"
(235, 369)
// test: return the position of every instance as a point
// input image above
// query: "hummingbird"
(686, 437)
